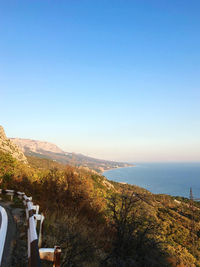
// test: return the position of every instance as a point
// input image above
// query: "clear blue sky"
(113, 79)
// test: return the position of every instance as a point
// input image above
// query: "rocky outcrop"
(7, 146)
(28, 145)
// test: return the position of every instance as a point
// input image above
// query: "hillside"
(50, 151)
(103, 223)
(7, 146)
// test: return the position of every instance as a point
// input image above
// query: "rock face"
(28, 145)
(7, 146)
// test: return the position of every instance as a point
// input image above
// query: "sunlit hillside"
(103, 223)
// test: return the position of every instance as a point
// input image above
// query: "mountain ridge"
(51, 151)
(36, 145)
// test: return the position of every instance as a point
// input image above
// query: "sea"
(174, 179)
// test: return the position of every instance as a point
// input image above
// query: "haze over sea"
(161, 178)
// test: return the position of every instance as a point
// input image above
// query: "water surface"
(161, 178)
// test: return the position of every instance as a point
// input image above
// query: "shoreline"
(117, 168)
(166, 179)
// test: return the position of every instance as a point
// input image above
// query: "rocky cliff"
(7, 146)
(28, 145)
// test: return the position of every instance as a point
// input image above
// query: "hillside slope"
(103, 223)
(29, 145)
(7, 146)
(50, 151)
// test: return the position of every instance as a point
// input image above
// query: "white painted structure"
(3, 230)
(35, 252)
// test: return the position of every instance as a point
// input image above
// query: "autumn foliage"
(102, 223)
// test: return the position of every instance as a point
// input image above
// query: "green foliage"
(103, 223)
(8, 164)
(133, 242)
(43, 163)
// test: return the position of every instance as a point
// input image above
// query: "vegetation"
(101, 223)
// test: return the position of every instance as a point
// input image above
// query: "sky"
(113, 79)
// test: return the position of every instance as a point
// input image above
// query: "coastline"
(161, 178)
(117, 168)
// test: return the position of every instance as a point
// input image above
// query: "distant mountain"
(7, 146)
(51, 151)
(28, 145)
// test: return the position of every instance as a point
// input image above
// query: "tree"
(132, 242)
